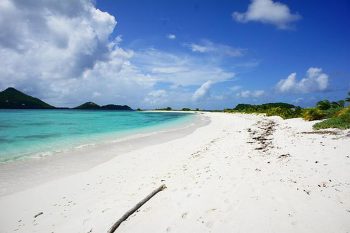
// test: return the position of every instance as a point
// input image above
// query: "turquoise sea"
(26, 133)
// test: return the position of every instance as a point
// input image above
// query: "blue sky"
(149, 54)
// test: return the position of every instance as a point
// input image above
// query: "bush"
(164, 109)
(343, 112)
(312, 114)
(323, 105)
(285, 113)
(283, 110)
(332, 112)
(340, 121)
(186, 109)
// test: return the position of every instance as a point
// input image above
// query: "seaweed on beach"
(262, 137)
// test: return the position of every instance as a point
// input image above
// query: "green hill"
(116, 107)
(89, 106)
(14, 99)
(93, 106)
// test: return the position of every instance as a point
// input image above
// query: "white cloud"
(179, 69)
(203, 91)
(250, 94)
(62, 52)
(269, 12)
(156, 97)
(285, 85)
(207, 46)
(314, 81)
(171, 36)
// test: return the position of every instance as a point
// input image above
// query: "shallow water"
(26, 133)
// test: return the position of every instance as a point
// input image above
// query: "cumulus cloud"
(250, 94)
(315, 80)
(207, 46)
(171, 36)
(63, 52)
(203, 91)
(269, 12)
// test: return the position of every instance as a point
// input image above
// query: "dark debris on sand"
(262, 137)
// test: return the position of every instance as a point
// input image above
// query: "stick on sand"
(135, 208)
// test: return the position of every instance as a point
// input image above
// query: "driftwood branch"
(135, 208)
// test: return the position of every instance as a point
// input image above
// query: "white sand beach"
(237, 173)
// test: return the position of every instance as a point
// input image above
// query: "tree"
(324, 105)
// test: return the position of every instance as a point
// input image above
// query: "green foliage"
(323, 105)
(312, 114)
(164, 109)
(336, 115)
(331, 112)
(343, 112)
(262, 108)
(324, 109)
(186, 109)
(283, 110)
(138, 109)
(341, 121)
(285, 113)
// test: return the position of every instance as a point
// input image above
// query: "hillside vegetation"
(14, 99)
(283, 110)
(333, 114)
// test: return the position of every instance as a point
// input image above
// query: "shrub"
(186, 109)
(323, 105)
(331, 112)
(341, 121)
(285, 113)
(283, 110)
(312, 114)
(343, 112)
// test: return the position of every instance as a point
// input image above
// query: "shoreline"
(21, 174)
(238, 173)
(72, 141)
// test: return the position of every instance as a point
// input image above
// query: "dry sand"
(239, 173)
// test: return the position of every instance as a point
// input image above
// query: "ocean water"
(30, 133)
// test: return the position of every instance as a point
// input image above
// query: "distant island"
(12, 98)
(94, 106)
